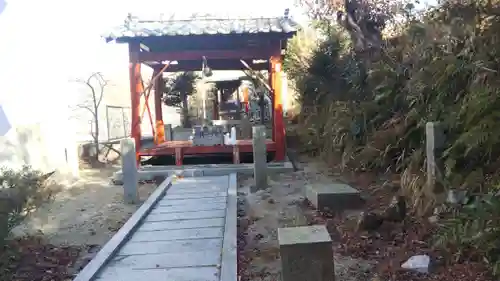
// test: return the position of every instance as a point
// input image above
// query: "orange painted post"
(135, 96)
(278, 125)
(245, 100)
(158, 88)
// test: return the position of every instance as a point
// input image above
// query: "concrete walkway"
(186, 232)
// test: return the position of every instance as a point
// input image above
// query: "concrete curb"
(150, 172)
(229, 265)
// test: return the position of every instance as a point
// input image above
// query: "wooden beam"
(144, 47)
(216, 41)
(250, 53)
(192, 65)
(145, 93)
(187, 148)
(252, 70)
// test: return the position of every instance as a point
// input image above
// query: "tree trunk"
(96, 140)
(184, 111)
(262, 103)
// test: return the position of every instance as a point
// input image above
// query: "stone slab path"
(188, 234)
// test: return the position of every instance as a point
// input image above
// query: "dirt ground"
(260, 214)
(358, 256)
(83, 215)
(87, 212)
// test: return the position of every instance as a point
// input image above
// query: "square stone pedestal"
(306, 253)
(335, 197)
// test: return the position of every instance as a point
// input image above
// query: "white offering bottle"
(233, 135)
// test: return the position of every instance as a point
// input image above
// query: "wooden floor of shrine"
(183, 147)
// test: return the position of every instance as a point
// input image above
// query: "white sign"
(5, 125)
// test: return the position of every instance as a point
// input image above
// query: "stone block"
(259, 156)
(306, 253)
(194, 173)
(168, 132)
(335, 197)
(435, 142)
(129, 171)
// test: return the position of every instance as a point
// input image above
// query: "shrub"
(21, 192)
(432, 71)
(371, 111)
(474, 228)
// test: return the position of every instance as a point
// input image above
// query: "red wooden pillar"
(271, 84)
(278, 125)
(135, 95)
(158, 88)
(179, 156)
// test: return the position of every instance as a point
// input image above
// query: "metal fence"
(118, 121)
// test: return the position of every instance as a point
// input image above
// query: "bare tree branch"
(95, 98)
(363, 19)
(96, 85)
(89, 85)
(102, 84)
(86, 108)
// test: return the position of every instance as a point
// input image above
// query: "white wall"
(40, 135)
(43, 49)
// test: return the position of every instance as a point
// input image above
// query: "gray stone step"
(335, 197)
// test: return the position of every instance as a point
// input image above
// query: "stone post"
(435, 140)
(306, 254)
(129, 171)
(168, 132)
(259, 156)
(246, 128)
